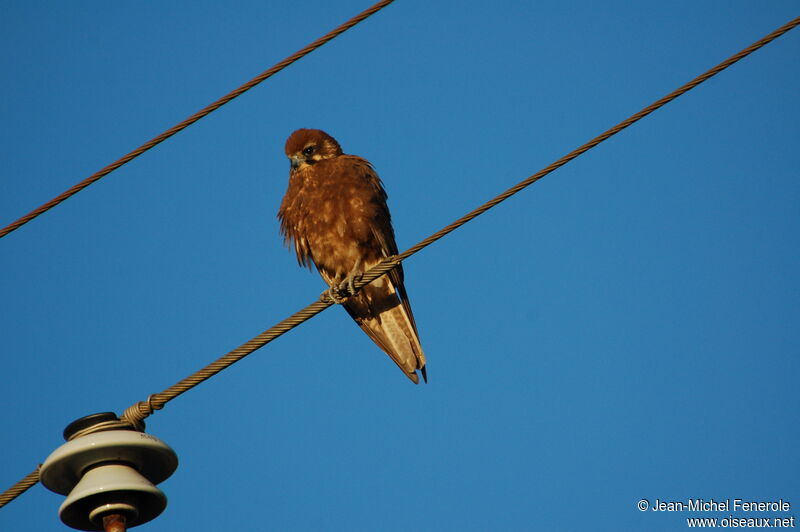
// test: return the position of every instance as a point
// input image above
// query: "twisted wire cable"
(194, 118)
(135, 414)
(139, 411)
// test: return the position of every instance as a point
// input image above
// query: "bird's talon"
(351, 284)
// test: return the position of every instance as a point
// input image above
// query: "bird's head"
(306, 147)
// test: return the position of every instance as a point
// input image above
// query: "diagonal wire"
(20, 487)
(600, 138)
(139, 411)
(136, 413)
(194, 118)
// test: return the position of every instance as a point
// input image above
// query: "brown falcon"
(335, 214)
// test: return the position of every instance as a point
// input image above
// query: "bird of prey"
(335, 214)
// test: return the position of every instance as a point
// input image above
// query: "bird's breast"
(335, 219)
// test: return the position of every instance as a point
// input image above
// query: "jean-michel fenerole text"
(720, 505)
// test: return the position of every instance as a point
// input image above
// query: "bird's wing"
(382, 308)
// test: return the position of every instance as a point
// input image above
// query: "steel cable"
(139, 411)
(194, 118)
(136, 413)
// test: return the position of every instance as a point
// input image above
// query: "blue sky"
(627, 328)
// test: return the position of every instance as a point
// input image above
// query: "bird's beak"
(296, 161)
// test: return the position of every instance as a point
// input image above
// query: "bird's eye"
(308, 150)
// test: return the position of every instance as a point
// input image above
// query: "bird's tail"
(387, 319)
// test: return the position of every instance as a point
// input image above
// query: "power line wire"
(139, 411)
(30, 480)
(194, 118)
(136, 413)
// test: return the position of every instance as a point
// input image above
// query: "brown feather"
(335, 215)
